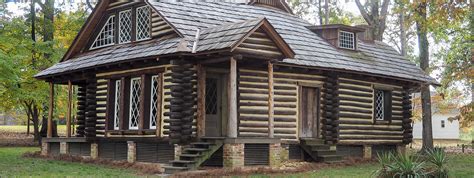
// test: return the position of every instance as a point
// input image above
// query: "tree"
(375, 14)
(314, 12)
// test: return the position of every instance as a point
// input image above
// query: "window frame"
(137, 21)
(152, 103)
(387, 103)
(117, 104)
(120, 26)
(339, 32)
(92, 47)
(130, 127)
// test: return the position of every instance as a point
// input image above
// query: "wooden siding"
(159, 27)
(356, 121)
(259, 43)
(253, 103)
(101, 107)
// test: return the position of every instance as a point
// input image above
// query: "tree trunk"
(35, 118)
(403, 33)
(376, 17)
(326, 8)
(320, 12)
(423, 47)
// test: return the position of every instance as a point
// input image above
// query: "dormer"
(339, 35)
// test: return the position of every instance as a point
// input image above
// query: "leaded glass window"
(154, 101)
(143, 23)
(379, 105)
(106, 34)
(117, 105)
(125, 26)
(135, 91)
(211, 96)
(346, 40)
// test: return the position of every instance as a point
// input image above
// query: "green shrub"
(407, 166)
(384, 159)
(438, 158)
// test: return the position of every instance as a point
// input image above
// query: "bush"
(432, 164)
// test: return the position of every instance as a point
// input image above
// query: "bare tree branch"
(364, 12)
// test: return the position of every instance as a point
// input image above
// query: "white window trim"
(131, 105)
(136, 24)
(154, 77)
(116, 114)
(339, 39)
(120, 27)
(97, 36)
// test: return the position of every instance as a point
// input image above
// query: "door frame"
(318, 87)
(222, 81)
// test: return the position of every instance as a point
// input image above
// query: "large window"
(346, 40)
(125, 26)
(382, 105)
(154, 101)
(117, 105)
(143, 23)
(135, 92)
(106, 35)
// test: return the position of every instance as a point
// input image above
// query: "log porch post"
(201, 105)
(270, 100)
(232, 119)
(51, 110)
(69, 109)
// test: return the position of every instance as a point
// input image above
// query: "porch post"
(232, 122)
(69, 108)
(201, 97)
(51, 110)
(270, 100)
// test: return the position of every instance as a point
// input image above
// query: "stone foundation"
(233, 155)
(64, 148)
(94, 150)
(275, 154)
(44, 149)
(132, 152)
(367, 152)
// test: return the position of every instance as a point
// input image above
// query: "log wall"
(253, 102)
(81, 110)
(101, 107)
(91, 107)
(356, 120)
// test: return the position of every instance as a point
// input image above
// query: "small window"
(346, 40)
(125, 26)
(382, 105)
(443, 124)
(135, 92)
(117, 105)
(154, 101)
(106, 35)
(143, 23)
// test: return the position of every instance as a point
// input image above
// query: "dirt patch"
(141, 168)
(287, 167)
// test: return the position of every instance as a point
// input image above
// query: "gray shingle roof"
(222, 23)
(310, 49)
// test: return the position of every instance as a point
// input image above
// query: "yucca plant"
(438, 158)
(384, 159)
(406, 166)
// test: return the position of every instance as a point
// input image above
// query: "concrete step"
(202, 145)
(329, 158)
(316, 147)
(173, 169)
(325, 152)
(189, 156)
(194, 150)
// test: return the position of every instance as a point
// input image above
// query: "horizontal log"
(348, 87)
(368, 127)
(359, 94)
(265, 125)
(356, 110)
(353, 115)
(360, 105)
(265, 118)
(369, 132)
(361, 100)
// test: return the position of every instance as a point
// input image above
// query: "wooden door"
(213, 125)
(309, 112)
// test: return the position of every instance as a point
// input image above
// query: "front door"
(213, 123)
(309, 112)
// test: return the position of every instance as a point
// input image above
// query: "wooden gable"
(264, 42)
(160, 28)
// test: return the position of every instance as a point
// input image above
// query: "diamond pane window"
(117, 105)
(346, 40)
(125, 26)
(211, 96)
(154, 101)
(379, 105)
(143, 23)
(106, 34)
(135, 87)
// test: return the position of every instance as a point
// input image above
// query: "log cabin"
(190, 84)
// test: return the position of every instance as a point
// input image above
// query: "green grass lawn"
(13, 165)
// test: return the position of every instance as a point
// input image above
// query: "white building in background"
(443, 129)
